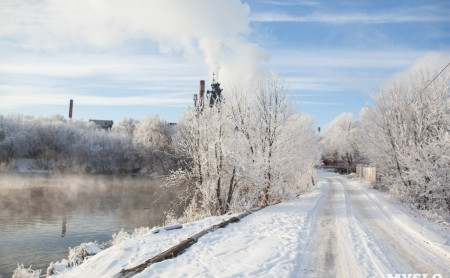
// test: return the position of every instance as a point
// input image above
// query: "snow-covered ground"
(341, 229)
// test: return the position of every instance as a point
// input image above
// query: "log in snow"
(167, 228)
(179, 248)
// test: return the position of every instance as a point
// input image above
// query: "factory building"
(213, 96)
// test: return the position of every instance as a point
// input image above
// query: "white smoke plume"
(214, 30)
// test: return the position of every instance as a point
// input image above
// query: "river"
(41, 216)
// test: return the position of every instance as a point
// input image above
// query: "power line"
(423, 90)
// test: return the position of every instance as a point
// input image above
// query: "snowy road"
(360, 233)
(342, 229)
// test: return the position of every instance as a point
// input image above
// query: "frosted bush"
(22, 272)
(140, 231)
(58, 267)
(76, 257)
(170, 218)
(120, 237)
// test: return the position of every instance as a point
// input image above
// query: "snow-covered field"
(341, 229)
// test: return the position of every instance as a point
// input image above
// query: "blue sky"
(134, 58)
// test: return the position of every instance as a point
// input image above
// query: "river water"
(42, 216)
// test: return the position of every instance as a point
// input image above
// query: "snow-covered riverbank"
(341, 229)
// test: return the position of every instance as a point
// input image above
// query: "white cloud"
(153, 67)
(309, 70)
(28, 97)
(348, 18)
(432, 61)
(320, 103)
(107, 79)
(295, 3)
(322, 58)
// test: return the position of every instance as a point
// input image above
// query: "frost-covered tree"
(340, 140)
(406, 134)
(272, 112)
(153, 139)
(304, 155)
(126, 127)
(269, 134)
(152, 133)
(11, 139)
(206, 135)
(249, 150)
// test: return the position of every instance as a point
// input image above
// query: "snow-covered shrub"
(140, 231)
(22, 272)
(120, 237)
(76, 257)
(170, 218)
(78, 254)
(57, 267)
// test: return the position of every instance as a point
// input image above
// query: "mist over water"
(41, 216)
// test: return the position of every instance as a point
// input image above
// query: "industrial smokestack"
(70, 109)
(195, 100)
(202, 92)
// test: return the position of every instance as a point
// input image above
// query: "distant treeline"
(55, 143)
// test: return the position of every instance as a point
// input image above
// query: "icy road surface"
(343, 229)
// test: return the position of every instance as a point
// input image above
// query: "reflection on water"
(42, 216)
(64, 228)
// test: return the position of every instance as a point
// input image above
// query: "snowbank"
(264, 242)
